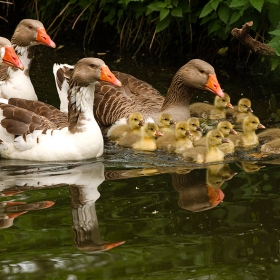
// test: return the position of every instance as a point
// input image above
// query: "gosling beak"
(229, 105)
(172, 122)
(232, 131)
(158, 133)
(108, 76)
(141, 123)
(261, 126)
(213, 85)
(188, 133)
(44, 39)
(249, 109)
(199, 128)
(225, 140)
(10, 58)
(111, 245)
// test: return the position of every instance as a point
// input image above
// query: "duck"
(248, 138)
(210, 153)
(212, 112)
(112, 103)
(17, 83)
(195, 130)
(146, 141)
(165, 122)
(123, 126)
(8, 56)
(27, 135)
(240, 111)
(173, 142)
(226, 128)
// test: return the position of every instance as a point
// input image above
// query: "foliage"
(159, 27)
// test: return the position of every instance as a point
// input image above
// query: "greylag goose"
(8, 55)
(248, 138)
(27, 135)
(173, 141)
(165, 122)
(242, 110)
(226, 128)
(14, 82)
(212, 112)
(145, 142)
(211, 153)
(112, 103)
(131, 125)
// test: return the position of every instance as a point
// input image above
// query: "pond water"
(135, 215)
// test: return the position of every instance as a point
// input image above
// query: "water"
(135, 215)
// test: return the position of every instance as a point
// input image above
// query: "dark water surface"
(133, 215)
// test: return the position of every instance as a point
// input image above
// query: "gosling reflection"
(197, 196)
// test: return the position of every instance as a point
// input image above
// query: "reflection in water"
(83, 181)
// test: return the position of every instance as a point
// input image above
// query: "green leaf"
(214, 26)
(177, 12)
(223, 13)
(275, 43)
(163, 14)
(234, 17)
(163, 24)
(257, 4)
(215, 4)
(273, 1)
(238, 3)
(156, 6)
(207, 9)
(275, 32)
(275, 62)
(273, 14)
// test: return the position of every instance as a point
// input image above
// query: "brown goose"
(27, 135)
(112, 104)
(14, 82)
(8, 55)
(212, 112)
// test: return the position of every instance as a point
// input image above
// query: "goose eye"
(201, 71)
(30, 27)
(135, 119)
(217, 136)
(92, 66)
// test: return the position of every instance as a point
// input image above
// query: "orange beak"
(213, 86)
(215, 195)
(44, 39)
(10, 58)
(261, 126)
(108, 76)
(109, 246)
(225, 140)
(14, 215)
(159, 133)
(229, 105)
(232, 131)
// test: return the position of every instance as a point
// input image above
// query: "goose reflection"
(83, 181)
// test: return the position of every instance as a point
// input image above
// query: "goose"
(213, 112)
(211, 153)
(14, 82)
(8, 55)
(146, 141)
(112, 103)
(165, 122)
(27, 135)
(271, 147)
(123, 126)
(194, 129)
(173, 142)
(240, 111)
(269, 135)
(248, 138)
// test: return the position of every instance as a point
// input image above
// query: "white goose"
(16, 83)
(8, 55)
(27, 135)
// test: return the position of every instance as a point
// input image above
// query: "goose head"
(244, 105)
(135, 120)
(8, 55)
(200, 75)
(194, 124)
(31, 32)
(223, 102)
(251, 123)
(90, 70)
(226, 128)
(215, 138)
(165, 120)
